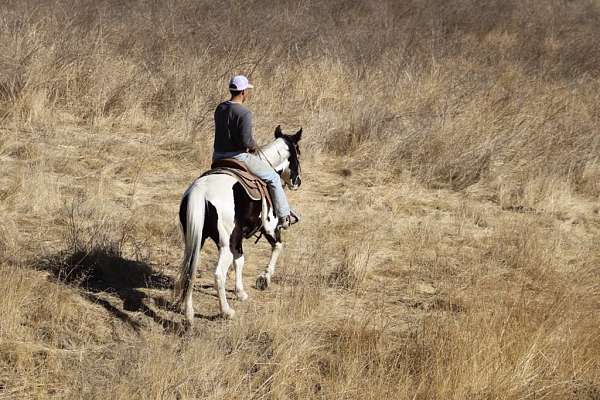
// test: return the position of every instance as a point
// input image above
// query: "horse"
(217, 207)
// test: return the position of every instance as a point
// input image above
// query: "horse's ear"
(298, 136)
(278, 132)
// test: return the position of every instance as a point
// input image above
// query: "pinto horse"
(217, 207)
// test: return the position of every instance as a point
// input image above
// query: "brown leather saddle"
(255, 187)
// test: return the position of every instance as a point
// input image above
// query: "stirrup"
(294, 217)
(283, 222)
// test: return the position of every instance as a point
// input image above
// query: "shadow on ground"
(104, 274)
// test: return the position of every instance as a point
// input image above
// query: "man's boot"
(285, 222)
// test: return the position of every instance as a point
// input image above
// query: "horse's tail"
(191, 214)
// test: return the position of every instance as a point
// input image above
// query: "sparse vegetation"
(449, 247)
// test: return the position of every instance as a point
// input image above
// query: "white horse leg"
(239, 283)
(264, 279)
(275, 253)
(225, 259)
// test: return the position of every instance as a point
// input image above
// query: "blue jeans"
(264, 171)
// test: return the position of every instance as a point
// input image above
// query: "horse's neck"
(272, 152)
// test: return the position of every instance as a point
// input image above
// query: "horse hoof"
(262, 282)
(229, 314)
(242, 296)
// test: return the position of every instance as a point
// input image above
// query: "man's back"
(233, 139)
(233, 128)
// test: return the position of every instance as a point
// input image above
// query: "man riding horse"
(222, 204)
(233, 139)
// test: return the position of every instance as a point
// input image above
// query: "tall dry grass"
(449, 246)
(457, 92)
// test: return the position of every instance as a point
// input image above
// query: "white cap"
(239, 82)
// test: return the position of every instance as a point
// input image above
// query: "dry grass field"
(450, 247)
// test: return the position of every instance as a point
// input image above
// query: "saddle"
(254, 186)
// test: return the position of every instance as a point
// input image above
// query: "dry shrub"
(95, 251)
(589, 182)
(353, 269)
(514, 352)
(471, 215)
(421, 242)
(44, 327)
(523, 244)
(360, 357)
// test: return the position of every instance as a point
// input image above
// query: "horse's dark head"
(291, 171)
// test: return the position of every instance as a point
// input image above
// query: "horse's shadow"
(103, 273)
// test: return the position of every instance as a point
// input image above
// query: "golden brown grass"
(449, 248)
